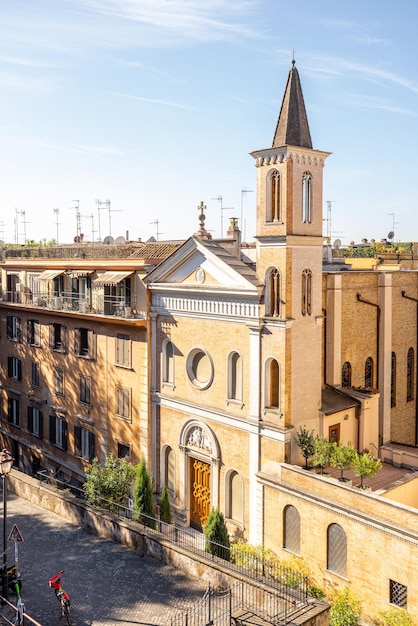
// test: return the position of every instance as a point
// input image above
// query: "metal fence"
(284, 590)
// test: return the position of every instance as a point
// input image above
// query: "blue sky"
(155, 105)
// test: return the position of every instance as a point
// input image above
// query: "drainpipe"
(416, 367)
(378, 311)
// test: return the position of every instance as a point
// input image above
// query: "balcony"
(94, 303)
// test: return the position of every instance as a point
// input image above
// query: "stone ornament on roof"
(202, 233)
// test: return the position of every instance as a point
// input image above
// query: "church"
(248, 346)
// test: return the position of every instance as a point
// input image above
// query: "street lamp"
(6, 463)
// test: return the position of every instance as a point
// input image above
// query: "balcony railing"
(94, 303)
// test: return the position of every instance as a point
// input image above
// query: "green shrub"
(109, 485)
(345, 610)
(216, 534)
(144, 506)
(165, 509)
(394, 617)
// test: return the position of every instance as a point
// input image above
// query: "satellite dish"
(120, 240)
(337, 244)
(391, 234)
(108, 240)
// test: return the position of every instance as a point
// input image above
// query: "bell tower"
(289, 263)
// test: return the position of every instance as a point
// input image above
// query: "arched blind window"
(273, 301)
(291, 529)
(306, 292)
(168, 363)
(337, 550)
(234, 376)
(273, 213)
(235, 497)
(272, 373)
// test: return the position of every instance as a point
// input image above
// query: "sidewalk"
(107, 583)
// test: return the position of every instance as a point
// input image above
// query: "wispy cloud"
(165, 103)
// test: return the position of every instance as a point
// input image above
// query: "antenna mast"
(57, 223)
(223, 208)
(158, 232)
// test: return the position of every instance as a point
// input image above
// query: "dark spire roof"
(292, 127)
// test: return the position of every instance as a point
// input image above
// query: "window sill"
(238, 403)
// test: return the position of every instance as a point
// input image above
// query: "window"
(274, 211)
(169, 470)
(272, 384)
(306, 292)
(346, 375)
(35, 421)
(368, 373)
(84, 342)
(14, 368)
(410, 371)
(393, 381)
(13, 411)
(306, 197)
(273, 287)
(14, 328)
(235, 497)
(336, 550)
(58, 431)
(291, 529)
(168, 362)
(123, 402)
(84, 443)
(398, 594)
(123, 451)
(199, 368)
(36, 374)
(234, 391)
(123, 350)
(85, 388)
(59, 381)
(58, 336)
(34, 333)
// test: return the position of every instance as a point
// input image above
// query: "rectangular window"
(59, 381)
(84, 443)
(14, 328)
(36, 374)
(58, 334)
(34, 333)
(123, 451)
(58, 431)
(35, 421)
(14, 368)
(13, 411)
(398, 594)
(84, 342)
(123, 402)
(85, 387)
(123, 350)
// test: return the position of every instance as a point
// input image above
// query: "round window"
(200, 368)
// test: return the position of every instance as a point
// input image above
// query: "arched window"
(306, 292)
(306, 197)
(346, 375)
(337, 550)
(169, 469)
(234, 497)
(393, 381)
(291, 529)
(168, 362)
(368, 373)
(272, 387)
(234, 390)
(410, 370)
(274, 211)
(273, 288)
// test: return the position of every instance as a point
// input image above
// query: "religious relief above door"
(199, 493)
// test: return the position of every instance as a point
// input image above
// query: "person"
(62, 596)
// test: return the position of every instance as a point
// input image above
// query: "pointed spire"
(292, 127)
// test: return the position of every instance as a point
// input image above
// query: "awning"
(110, 278)
(79, 273)
(49, 274)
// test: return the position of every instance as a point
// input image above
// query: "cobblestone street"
(108, 583)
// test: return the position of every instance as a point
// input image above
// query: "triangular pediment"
(201, 265)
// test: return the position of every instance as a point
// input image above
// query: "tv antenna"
(243, 191)
(78, 219)
(223, 208)
(57, 223)
(392, 232)
(158, 232)
(23, 213)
